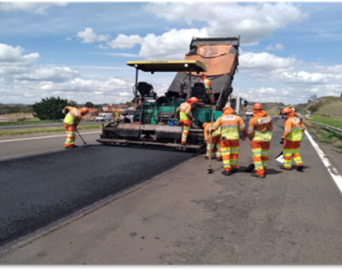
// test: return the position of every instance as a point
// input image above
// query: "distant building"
(92, 114)
(114, 108)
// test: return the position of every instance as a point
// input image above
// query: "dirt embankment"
(324, 106)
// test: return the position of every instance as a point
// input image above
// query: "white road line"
(331, 169)
(44, 137)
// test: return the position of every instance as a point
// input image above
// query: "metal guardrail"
(324, 125)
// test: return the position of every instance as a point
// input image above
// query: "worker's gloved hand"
(63, 111)
(281, 141)
(243, 139)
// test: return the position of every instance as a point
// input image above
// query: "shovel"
(280, 158)
(210, 170)
(84, 143)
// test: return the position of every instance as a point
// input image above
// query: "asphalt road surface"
(184, 217)
(38, 190)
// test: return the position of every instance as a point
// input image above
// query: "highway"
(31, 126)
(185, 216)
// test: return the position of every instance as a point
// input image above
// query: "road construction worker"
(71, 121)
(260, 134)
(293, 131)
(230, 125)
(185, 117)
(215, 141)
(208, 86)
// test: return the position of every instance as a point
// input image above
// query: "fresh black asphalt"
(36, 191)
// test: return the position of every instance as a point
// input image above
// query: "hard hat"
(286, 110)
(194, 99)
(226, 107)
(204, 75)
(257, 106)
(84, 110)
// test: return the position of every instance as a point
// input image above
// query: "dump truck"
(155, 122)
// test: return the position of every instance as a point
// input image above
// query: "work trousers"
(71, 135)
(186, 124)
(291, 149)
(230, 154)
(260, 151)
(215, 141)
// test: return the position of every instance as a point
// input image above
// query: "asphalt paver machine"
(155, 122)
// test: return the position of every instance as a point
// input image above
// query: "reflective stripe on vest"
(207, 86)
(230, 127)
(215, 133)
(183, 115)
(264, 136)
(296, 132)
(70, 118)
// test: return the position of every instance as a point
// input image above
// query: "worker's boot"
(234, 171)
(73, 147)
(300, 168)
(285, 169)
(250, 168)
(257, 176)
(227, 173)
(219, 158)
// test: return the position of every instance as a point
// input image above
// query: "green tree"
(50, 108)
(72, 103)
(89, 105)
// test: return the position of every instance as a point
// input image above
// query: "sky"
(289, 51)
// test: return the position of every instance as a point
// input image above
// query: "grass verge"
(19, 123)
(44, 130)
(325, 135)
(328, 120)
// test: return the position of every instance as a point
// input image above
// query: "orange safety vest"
(208, 86)
(184, 108)
(260, 127)
(73, 117)
(230, 125)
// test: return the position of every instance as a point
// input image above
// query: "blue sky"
(289, 51)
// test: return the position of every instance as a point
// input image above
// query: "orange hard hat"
(194, 99)
(257, 106)
(205, 124)
(226, 107)
(84, 110)
(286, 110)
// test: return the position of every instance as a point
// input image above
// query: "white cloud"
(173, 44)
(304, 77)
(337, 69)
(38, 8)
(9, 54)
(266, 62)
(277, 47)
(68, 39)
(89, 36)
(125, 42)
(55, 74)
(251, 21)
(122, 54)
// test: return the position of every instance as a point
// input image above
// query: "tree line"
(48, 108)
